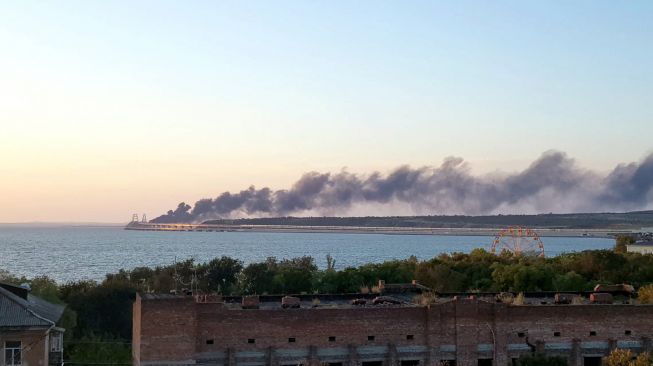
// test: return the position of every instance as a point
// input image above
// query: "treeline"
(98, 314)
(477, 271)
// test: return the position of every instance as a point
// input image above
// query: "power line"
(93, 363)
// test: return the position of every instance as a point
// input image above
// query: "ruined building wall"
(180, 331)
(166, 330)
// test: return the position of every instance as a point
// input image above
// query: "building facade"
(29, 335)
(182, 330)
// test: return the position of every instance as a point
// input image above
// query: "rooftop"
(19, 308)
(360, 300)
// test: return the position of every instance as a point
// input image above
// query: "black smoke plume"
(552, 183)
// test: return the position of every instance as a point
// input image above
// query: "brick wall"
(166, 330)
(180, 331)
(136, 330)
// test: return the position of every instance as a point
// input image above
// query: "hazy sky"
(111, 107)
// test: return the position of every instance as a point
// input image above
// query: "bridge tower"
(144, 219)
(135, 218)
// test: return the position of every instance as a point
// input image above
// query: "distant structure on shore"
(408, 225)
(634, 221)
(643, 243)
(519, 241)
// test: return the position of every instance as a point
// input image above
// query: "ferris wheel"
(520, 241)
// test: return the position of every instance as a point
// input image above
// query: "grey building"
(29, 335)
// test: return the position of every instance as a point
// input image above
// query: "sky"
(120, 107)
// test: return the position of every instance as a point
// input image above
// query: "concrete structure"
(542, 232)
(641, 247)
(28, 332)
(643, 243)
(330, 330)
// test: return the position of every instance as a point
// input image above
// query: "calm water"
(68, 253)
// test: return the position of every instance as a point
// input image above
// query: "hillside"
(626, 220)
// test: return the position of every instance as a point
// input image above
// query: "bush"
(624, 357)
(426, 298)
(645, 294)
(541, 360)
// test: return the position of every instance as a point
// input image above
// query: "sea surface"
(73, 253)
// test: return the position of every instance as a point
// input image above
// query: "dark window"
(592, 333)
(251, 340)
(13, 352)
(334, 364)
(556, 334)
(520, 334)
(370, 338)
(291, 340)
(209, 341)
(592, 361)
(484, 362)
(332, 339)
(372, 363)
(410, 337)
(627, 332)
(410, 363)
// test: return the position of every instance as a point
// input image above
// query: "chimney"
(20, 291)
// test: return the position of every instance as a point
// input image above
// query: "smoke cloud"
(552, 183)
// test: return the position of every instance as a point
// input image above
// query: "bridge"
(143, 225)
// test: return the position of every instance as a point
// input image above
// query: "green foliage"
(221, 274)
(258, 278)
(331, 263)
(439, 277)
(97, 350)
(645, 294)
(541, 360)
(45, 288)
(643, 359)
(294, 276)
(100, 312)
(570, 281)
(625, 357)
(101, 308)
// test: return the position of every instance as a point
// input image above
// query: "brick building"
(29, 335)
(185, 330)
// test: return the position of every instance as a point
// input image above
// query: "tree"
(644, 359)
(331, 263)
(221, 274)
(570, 281)
(295, 275)
(645, 294)
(440, 277)
(258, 278)
(622, 241)
(624, 357)
(619, 357)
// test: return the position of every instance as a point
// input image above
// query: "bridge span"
(149, 226)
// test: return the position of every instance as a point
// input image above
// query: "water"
(73, 253)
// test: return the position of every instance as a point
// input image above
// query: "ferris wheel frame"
(517, 235)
